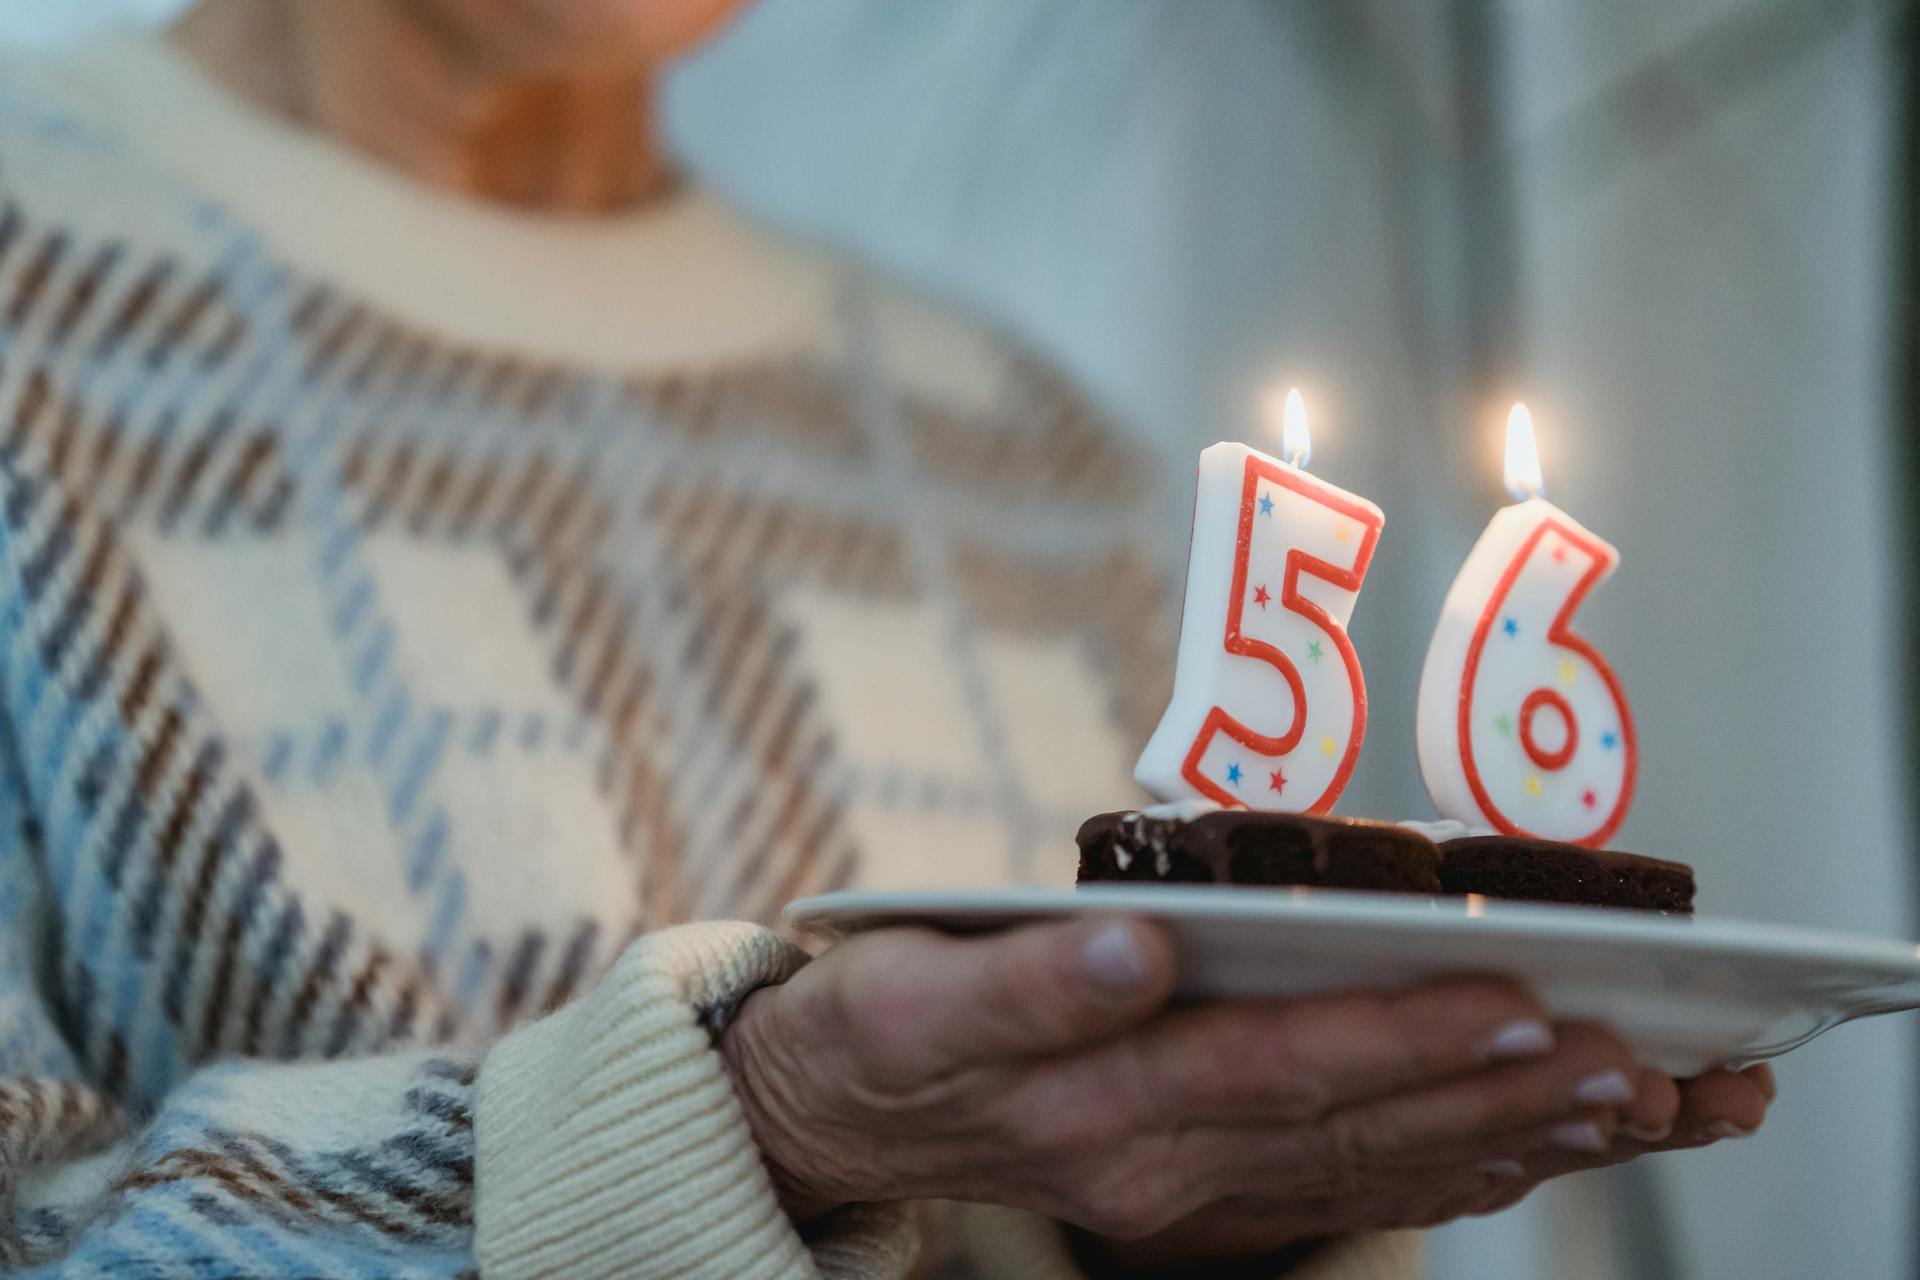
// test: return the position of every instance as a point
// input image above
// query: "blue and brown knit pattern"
(362, 691)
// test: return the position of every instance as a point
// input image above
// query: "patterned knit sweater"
(410, 616)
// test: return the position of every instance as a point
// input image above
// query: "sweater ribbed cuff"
(609, 1141)
(1006, 1242)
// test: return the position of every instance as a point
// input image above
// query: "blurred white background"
(1667, 224)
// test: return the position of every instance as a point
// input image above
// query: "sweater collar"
(684, 281)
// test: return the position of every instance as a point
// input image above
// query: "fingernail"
(1728, 1129)
(1604, 1089)
(1113, 960)
(1578, 1135)
(1503, 1168)
(1527, 1038)
(1641, 1133)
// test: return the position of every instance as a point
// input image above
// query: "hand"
(1042, 1069)
(1712, 1107)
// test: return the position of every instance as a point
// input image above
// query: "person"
(460, 580)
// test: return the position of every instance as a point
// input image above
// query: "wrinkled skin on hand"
(1045, 1069)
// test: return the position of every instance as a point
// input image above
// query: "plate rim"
(1716, 935)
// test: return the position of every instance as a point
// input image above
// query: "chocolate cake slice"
(1181, 845)
(1549, 871)
(1198, 844)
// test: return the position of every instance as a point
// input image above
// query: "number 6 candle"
(1268, 706)
(1521, 724)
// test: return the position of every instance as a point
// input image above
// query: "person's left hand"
(1721, 1104)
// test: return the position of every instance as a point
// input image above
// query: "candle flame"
(1296, 442)
(1523, 456)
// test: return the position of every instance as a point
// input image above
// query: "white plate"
(1687, 995)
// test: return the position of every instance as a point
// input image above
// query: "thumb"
(1030, 992)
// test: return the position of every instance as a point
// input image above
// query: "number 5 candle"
(1521, 723)
(1268, 706)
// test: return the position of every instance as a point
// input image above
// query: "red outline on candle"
(1602, 559)
(1548, 760)
(1371, 521)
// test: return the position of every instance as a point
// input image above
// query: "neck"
(386, 81)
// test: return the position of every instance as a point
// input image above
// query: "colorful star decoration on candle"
(1522, 727)
(1251, 688)
(1560, 762)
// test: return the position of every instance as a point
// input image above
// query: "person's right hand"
(1042, 1069)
